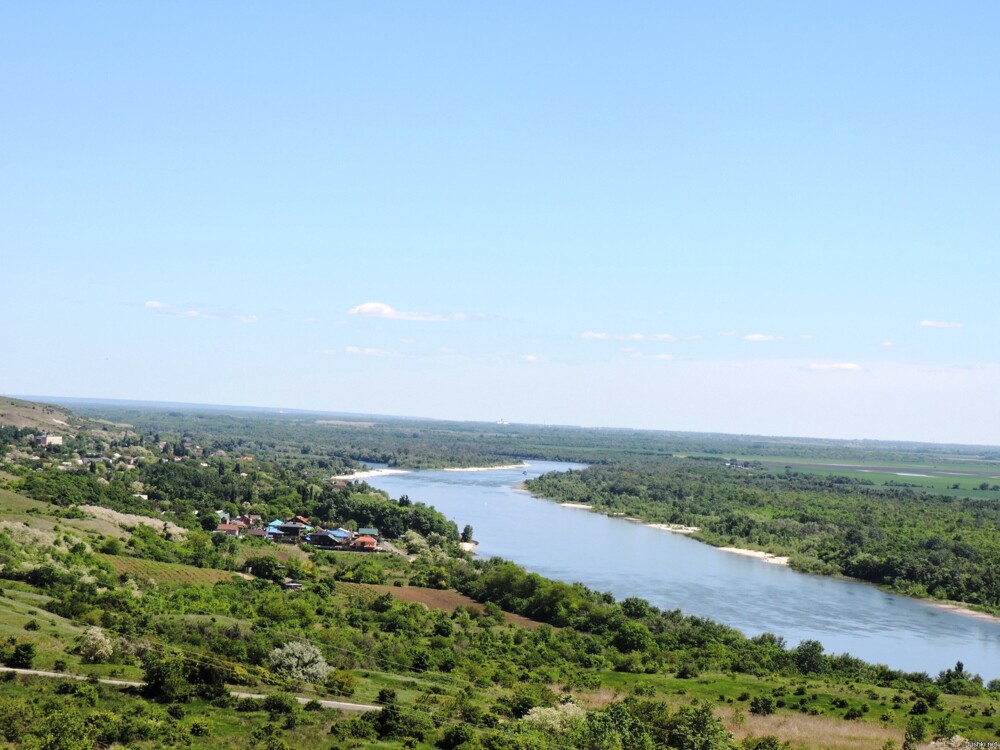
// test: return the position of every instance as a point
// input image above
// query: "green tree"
(697, 728)
(164, 676)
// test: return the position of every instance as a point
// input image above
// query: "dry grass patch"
(131, 519)
(815, 732)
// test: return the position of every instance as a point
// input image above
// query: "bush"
(22, 656)
(341, 682)
(301, 661)
(96, 648)
(762, 705)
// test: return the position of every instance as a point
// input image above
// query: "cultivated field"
(161, 572)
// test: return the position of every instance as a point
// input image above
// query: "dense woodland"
(155, 597)
(913, 542)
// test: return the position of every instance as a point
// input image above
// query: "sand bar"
(582, 506)
(767, 557)
(370, 474)
(488, 468)
(676, 528)
(960, 610)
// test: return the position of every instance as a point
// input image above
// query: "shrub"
(95, 647)
(762, 705)
(341, 682)
(301, 661)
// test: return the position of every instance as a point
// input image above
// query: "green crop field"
(161, 572)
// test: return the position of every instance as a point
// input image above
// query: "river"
(674, 572)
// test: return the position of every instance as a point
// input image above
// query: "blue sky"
(765, 217)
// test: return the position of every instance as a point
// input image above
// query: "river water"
(674, 572)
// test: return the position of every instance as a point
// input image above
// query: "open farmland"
(162, 572)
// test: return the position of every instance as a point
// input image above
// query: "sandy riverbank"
(582, 506)
(370, 474)
(960, 610)
(676, 528)
(767, 557)
(488, 468)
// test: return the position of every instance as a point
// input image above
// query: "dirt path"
(339, 705)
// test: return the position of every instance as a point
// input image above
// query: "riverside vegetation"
(197, 616)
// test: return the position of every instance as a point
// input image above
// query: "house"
(46, 440)
(259, 533)
(370, 531)
(329, 538)
(299, 519)
(289, 585)
(229, 529)
(365, 544)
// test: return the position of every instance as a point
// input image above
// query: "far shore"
(768, 557)
(371, 473)
(488, 468)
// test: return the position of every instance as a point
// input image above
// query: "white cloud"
(245, 318)
(939, 324)
(630, 337)
(887, 344)
(806, 337)
(387, 312)
(659, 357)
(369, 352)
(595, 336)
(197, 314)
(845, 366)
(663, 337)
(759, 337)
(154, 305)
(529, 357)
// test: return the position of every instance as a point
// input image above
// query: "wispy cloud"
(369, 352)
(155, 305)
(198, 314)
(887, 344)
(844, 366)
(387, 312)
(660, 357)
(245, 318)
(529, 357)
(602, 336)
(939, 324)
(756, 337)
(310, 320)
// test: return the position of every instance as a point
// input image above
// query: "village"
(298, 530)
